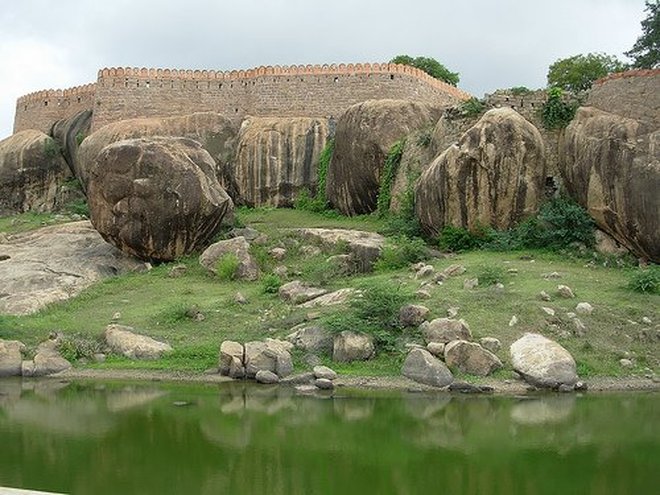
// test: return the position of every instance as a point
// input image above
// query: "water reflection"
(252, 439)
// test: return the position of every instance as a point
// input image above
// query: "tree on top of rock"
(429, 65)
(646, 50)
(578, 72)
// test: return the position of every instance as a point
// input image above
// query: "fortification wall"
(41, 109)
(300, 91)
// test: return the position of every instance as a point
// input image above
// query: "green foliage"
(424, 139)
(270, 283)
(520, 90)
(490, 275)
(317, 203)
(401, 252)
(472, 107)
(458, 239)
(429, 65)
(226, 268)
(80, 137)
(78, 207)
(646, 50)
(388, 176)
(577, 73)
(563, 222)
(556, 113)
(74, 347)
(646, 280)
(375, 312)
(51, 148)
(176, 313)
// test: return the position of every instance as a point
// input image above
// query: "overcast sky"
(491, 43)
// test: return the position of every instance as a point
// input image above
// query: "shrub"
(556, 113)
(472, 107)
(457, 239)
(80, 137)
(646, 280)
(226, 267)
(317, 203)
(78, 207)
(388, 175)
(429, 65)
(424, 139)
(490, 275)
(270, 284)
(51, 148)
(520, 90)
(564, 222)
(400, 252)
(75, 347)
(404, 222)
(177, 313)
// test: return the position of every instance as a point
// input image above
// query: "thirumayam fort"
(270, 91)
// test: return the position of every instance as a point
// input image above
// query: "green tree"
(646, 50)
(577, 73)
(429, 65)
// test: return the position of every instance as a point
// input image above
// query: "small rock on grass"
(565, 291)
(584, 308)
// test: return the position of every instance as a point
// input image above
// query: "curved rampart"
(297, 90)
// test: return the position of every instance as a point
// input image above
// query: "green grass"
(25, 222)
(160, 306)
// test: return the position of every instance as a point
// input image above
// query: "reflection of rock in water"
(425, 407)
(129, 398)
(46, 388)
(238, 398)
(548, 409)
(354, 409)
(10, 391)
(227, 432)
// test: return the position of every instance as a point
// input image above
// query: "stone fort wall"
(295, 91)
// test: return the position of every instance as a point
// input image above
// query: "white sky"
(491, 43)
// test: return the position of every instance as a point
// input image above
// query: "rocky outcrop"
(277, 158)
(444, 330)
(69, 135)
(31, 172)
(157, 198)
(365, 134)
(47, 360)
(542, 362)
(247, 266)
(611, 166)
(270, 355)
(412, 315)
(422, 367)
(122, 340)
(350, 346)
(10, 357)
(312, 339)
(214, 132)
(54, 264)
(297, 292)
(494, 176)
(364, 247)
(471, 358)
(232, 357)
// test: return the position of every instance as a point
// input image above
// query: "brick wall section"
(40, 110)
(634, 94)
(301, 91)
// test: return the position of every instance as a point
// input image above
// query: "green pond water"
(114, 438)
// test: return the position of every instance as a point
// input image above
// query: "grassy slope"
(155, 304)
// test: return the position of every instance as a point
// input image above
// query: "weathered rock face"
(10, 357)
(471, 358)
(122, 340)
(156, 198)
(443, 330)
(248, 269)
(351, 346)
(542, 362)
(494, 176)
(54, 264)
(311, 339)
(231, 359)
(214, 132)
(365, 134)
(31, 171)
(611, 166)
(69, 134)
(422, 367)
(277, 158)
(270, 355)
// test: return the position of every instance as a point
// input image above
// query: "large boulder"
(10, 357)
(421, 366)
(56, 263)
(297, 292)
(312, 339)
(269, 355)
(122, 340)
(247, 269)
(277, 158)
(156, 198)
(69, 134)
(611, 166)
(47, 360)
(444, 330)
(31, 172)
(493, 177)
(231, 359)
(471, 358)
(351, 346)
(543, 362)
(365, 134)
(216, 133)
